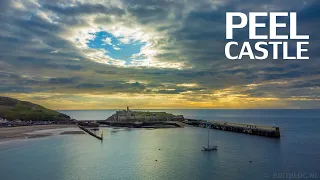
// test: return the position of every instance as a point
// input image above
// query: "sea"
(175, 153)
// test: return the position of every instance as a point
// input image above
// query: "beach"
(35, 131)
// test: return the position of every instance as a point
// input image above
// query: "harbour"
(150, 119)
(251, 129)
(131, 154)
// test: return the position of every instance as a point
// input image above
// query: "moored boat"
(210, 147)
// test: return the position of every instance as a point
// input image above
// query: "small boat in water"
(209, 147)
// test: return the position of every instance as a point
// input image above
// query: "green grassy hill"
(12, 109)
(154, 114)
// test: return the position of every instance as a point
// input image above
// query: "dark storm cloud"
(84, 8)
(15, 89)
(73, 67)
(310, 13)
(177, 90)
(112, 87)
(33, 40)
(124, 86)
(4, 5)
(201, 37)
(63, 80)
(89, 85)
(311, 83)
(151, 10)
(106, 72)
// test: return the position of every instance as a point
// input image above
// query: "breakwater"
(89, 132)
(259, 130)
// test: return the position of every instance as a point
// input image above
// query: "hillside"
(12, 109)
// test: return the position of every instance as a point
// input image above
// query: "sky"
(148, 54)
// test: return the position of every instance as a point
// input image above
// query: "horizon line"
(190, 109)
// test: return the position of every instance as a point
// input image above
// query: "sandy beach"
(36, 131)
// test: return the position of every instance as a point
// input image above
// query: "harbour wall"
(252, 129)
(90, 133)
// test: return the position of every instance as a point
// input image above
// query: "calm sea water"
(132, 154)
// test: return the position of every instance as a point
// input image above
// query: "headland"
(143, 119)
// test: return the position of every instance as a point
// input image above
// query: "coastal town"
(17, 122)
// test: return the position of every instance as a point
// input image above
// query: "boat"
(210, 147)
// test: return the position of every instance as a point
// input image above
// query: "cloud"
(83, 9)
(62, 80)
(89, 85)
(44, 48)
(107, 41)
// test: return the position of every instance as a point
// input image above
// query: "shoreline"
(36, 131)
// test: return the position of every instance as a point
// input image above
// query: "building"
(129, 115)
(123, 115)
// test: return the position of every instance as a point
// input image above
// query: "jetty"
(90, 133)
(252, 129)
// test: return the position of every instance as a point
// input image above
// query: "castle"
(129, 115)
(124, 115)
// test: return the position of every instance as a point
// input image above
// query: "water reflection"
(132, 154)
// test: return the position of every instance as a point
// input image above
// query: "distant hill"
(12, 109)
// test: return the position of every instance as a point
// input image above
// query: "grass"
(12, 109)
(157, 114)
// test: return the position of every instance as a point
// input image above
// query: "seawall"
(89, 132)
